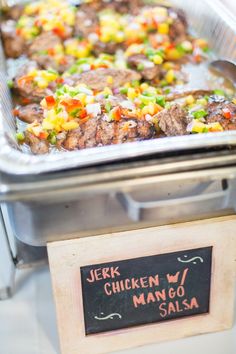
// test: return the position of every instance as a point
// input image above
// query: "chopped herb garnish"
(20, 136)
(135, 83)
(75, 112)
(108, 106)
(59, 110)
(140, 66)
(161, 101)
(10, 83)
(200, 114)
(124, 90)
(219, 92)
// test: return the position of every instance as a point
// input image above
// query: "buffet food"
(107, 72)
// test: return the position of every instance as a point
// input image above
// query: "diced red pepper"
(103, 66)
(98, 31)
(63, 61)
(59, 31)
(38, 23)
(25, 100)
(18, 31)
(197, 58)
(51, 51)
(15, 112)
(83, 113)
(71, 104)
(116, 113)
(59, 80)
(50, 101)
(170, 46)
(24, 80)
(43, 135)
(226, 113)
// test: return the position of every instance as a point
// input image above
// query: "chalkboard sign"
(146, 290)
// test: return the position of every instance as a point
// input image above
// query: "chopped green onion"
(206, 50)
(53, 140)
(10, 83)
(135, 83)
(124, 90)
(161, 101)
(140, 66)
(73, 69)
(82, 61)
(167, 90)
(59, 110)
(75, 112)
(180, 49)
(200, 114)
(147, 99)
(219, 92)
(150, 52)
(51, 71)
(163, 83)
(20, 136)
(108, 106)
(42, 52)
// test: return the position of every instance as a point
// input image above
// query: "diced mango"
(110, 80)
(131, 93)
(173, 54)
(47, 125)
(189, 99)
(163, 28)
(42, 83)
(107, 91)
(198, 127)
(200, 42)
(157, 59)
(70, 125)
(89, 99)
(170, 76)
(215, 127)
(144, 86)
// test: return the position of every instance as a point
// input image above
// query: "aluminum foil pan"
(208, 19)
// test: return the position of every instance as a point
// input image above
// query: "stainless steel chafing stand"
(112, 198)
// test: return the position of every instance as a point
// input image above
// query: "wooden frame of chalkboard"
(123, 290)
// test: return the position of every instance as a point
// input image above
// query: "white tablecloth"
(28, 324)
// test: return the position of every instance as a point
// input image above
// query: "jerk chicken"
(107, 72)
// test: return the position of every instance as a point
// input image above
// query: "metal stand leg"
(7, 266)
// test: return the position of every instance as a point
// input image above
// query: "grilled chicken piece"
(150, 70)
(126, 6)
(46, 61)
(45, 41)
(37, 146)
(100, 78)
(179, 28)
(175, 95)
(14, 45)
(86, 21)
(26, 88)
(223, 112)
(99, 132)
(29, 113)
(109, 48)
(14, 12)
(173, 121)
